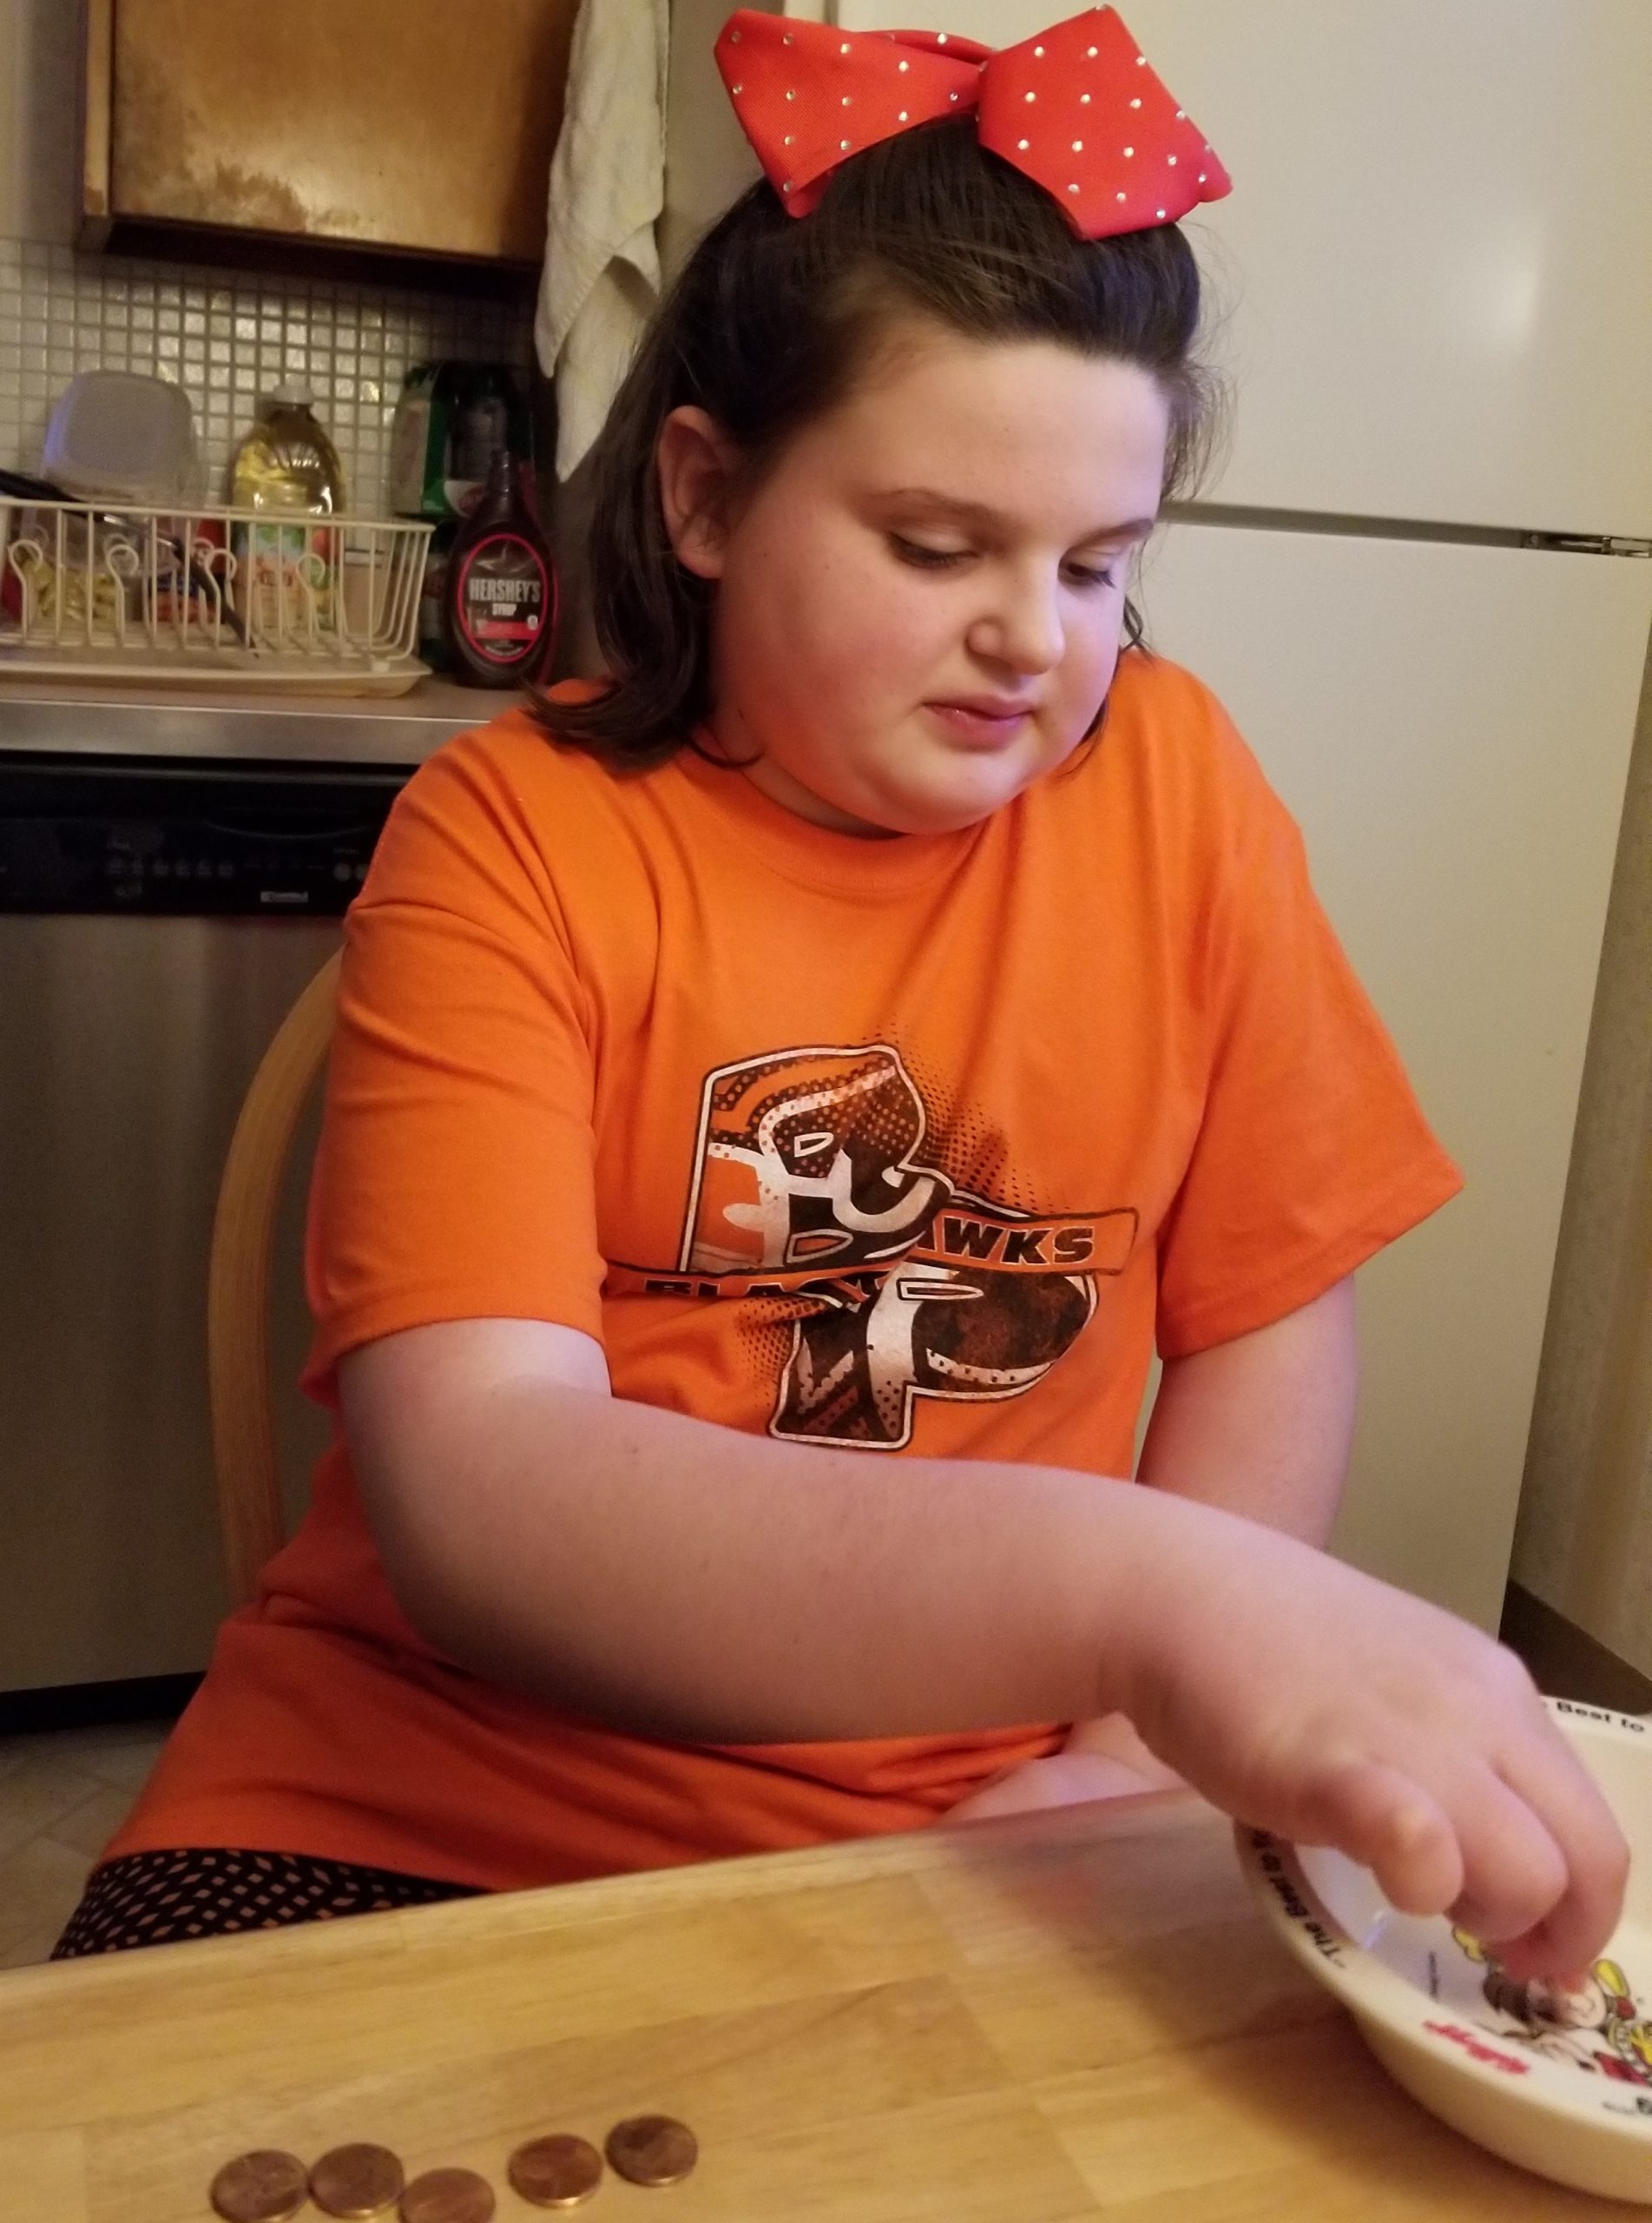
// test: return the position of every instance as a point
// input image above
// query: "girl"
(780, 1095)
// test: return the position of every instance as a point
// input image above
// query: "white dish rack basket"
(219, 596)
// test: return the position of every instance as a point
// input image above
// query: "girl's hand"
(1311, 1700)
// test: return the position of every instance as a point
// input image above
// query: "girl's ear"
(696, 461)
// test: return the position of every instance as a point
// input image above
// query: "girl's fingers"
(1515, 1873)
(1389, 1823)
(1488, 1860)
(1548, 1779)
(1526, 1858)
(1545, 1899)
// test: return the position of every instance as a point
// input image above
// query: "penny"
(560, 2172)
(356, 2181)
(652, 2150)
(448, 2196)
(261, 2187)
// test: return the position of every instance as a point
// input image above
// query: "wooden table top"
(1077, 2013)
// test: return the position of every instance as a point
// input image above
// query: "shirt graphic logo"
(815, 1181)
(808, 1160)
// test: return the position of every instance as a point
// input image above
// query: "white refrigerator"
(1420, 584)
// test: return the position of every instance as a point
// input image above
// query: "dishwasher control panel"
(187, 840)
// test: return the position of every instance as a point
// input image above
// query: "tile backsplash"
(228, 338)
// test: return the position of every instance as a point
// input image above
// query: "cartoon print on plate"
(1594, 2022)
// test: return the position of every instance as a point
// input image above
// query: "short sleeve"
(1311, 1153)
(454, 1177)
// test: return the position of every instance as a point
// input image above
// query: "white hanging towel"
(602, 274)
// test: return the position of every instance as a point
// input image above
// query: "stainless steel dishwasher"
(157, 918)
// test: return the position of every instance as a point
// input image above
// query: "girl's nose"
(1021, 627)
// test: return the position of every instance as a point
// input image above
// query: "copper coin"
(357, 2180)
(262, 2187)
(653, 2149)
(560, 2172)
(448, 2196)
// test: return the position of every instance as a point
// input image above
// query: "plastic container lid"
(293, 396)
(116, 436)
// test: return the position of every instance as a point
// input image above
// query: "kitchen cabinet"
(405, 126)
(40, 42)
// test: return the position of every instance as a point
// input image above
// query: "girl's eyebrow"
(984, 519)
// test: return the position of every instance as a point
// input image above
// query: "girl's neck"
(726, 739)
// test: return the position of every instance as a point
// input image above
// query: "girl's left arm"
(1261, 1426)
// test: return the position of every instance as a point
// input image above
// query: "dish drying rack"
(219, 596)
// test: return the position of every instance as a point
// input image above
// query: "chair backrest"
(237, 1360)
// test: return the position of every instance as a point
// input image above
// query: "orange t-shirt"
(913, 1143)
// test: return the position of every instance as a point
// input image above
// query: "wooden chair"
(238, 1363)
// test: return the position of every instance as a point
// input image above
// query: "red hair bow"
(1077, 108)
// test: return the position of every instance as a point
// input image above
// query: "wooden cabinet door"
(421, 124)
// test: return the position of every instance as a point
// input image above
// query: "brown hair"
(771, 319)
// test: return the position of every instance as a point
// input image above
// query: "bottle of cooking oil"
(287, 575)
(286, 461)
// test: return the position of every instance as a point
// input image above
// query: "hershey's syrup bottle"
(499, 597)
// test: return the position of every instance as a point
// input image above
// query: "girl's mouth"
(979, 722)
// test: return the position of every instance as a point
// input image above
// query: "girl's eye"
(925, 559)
(1084, 576)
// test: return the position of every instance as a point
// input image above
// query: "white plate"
(1559, 2082)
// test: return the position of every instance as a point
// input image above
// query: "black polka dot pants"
(158, 1898)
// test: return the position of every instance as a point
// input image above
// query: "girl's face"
(919, 608)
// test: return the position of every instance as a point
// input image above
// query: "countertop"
(1069, 2015)
(62, 717)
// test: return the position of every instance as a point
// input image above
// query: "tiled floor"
(62, 1795)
